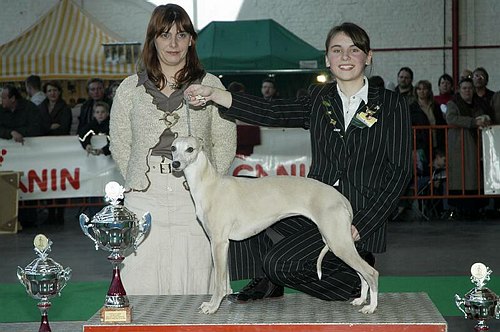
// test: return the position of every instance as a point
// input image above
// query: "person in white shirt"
(33, 88)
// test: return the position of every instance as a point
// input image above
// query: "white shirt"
(351, 104)
(38, 98)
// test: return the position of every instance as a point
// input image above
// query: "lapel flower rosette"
(366, 117)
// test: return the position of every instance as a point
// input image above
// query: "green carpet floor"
(80, 300)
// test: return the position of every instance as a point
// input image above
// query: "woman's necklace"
(173, 85)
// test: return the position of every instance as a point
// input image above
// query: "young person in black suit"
(361, 145)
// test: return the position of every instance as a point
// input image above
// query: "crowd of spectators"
(461, 115)
(44, 111)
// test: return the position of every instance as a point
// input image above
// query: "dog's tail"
(320, 260)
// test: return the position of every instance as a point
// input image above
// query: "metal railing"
(438, 176)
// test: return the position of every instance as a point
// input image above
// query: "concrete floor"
(415, 248)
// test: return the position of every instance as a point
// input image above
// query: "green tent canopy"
(255, 46)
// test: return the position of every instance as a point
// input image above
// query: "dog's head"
(185, 151)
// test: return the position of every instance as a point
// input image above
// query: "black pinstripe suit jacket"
(372, 165)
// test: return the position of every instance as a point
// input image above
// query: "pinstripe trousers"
(291, 260)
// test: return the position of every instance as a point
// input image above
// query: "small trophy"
(480, 303)
(115, 229)
(97, 141)
(43, 278)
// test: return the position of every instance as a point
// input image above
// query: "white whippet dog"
(225, 215)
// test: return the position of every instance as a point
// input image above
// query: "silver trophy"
(480, 303)
(43, 278)
(116, 229)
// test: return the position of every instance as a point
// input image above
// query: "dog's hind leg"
(338, 237)
(369, 280)
(364, 292)
(370, 308)
(220, 249)
(369, 276)
(346, 251)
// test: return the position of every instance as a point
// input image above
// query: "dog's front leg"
(219, 253)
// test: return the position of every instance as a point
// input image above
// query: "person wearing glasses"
(148, 112)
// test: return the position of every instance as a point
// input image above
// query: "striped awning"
(64, 44)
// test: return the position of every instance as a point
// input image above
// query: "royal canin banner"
(281, 152)
(58, 167)
(257, 165)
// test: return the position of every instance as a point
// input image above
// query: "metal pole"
(195, 14)
(455, 40)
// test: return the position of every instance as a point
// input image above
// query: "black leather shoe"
(257, 289)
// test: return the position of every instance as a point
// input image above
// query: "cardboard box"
(9, 184)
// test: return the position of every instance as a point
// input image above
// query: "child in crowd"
(98, 126)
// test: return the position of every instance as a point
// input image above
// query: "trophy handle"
(144, 227)
(21, 275)
(63, 278)
(459, 302)
(84, 225)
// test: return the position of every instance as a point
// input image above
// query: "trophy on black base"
(116, 229)
(480, 303)
(43, 278)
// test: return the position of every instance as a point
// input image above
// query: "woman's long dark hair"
(162, 19)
